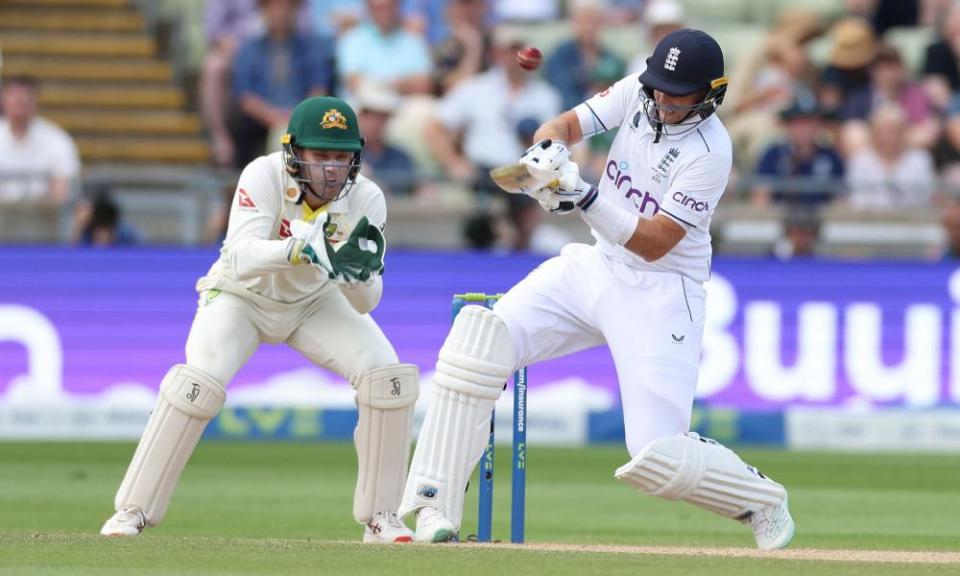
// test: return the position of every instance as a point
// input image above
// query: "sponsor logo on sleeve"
(244, 200)
(690, 202)
(284, 231)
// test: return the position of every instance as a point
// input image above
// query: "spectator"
(941, 75)
(428, 18)
(951, 228)
(766, 80)
(466, 51)
(801, 170)
(570, 69)
(801, 235)
(382, 51)
(333, 18)
(889, 84)
(661, 17)
(889, 173)
(387, 165)
(490, 132)
(99, 222)
(38, 159)
(773, 86)
(527, 11)
(848, 71)
(226, 23)
(273, 71)
(625, 11)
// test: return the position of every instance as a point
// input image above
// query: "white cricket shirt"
(254, 252)
(681, 176)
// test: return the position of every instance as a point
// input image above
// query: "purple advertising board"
(75, 323)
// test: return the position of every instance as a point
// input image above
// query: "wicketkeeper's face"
(325, 171)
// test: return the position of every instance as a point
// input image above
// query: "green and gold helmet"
(322, 123)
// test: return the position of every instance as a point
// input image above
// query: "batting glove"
(545, 159)
(570, 191)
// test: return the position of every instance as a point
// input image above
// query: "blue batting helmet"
(685, 62)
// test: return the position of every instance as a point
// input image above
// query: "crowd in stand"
(441, 97)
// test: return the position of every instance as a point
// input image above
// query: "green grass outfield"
(286, 509)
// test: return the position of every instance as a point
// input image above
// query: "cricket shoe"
(386, 528)
(129, 521)
(773, 527)
(432, 527)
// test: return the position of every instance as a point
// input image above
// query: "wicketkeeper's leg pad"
(702, 472)
(189, 398)
(475, 362)
(386, 398)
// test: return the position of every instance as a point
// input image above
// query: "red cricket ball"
(529, 58)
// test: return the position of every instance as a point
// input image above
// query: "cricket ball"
(529, 58)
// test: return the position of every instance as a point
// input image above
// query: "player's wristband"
(609, 221)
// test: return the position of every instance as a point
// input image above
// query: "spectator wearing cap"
(661, 17)
(390, 167)
(486, 112)
(38, 159)
(570, 69)
(848, 70)
(890, 173)
(466, 51)
(381, 51)
(801, 170)
(273, 71)
(889, 84)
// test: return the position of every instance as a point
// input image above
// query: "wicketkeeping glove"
(360, 258)
(309, 245)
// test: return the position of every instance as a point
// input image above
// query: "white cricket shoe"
(773, 527)
(129, 521)
(386, 528)
(432, 527)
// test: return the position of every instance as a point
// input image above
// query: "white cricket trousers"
(325, 328)
(651, 321)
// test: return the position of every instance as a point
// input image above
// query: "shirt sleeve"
(68, 160)
(349, 55)
(244, 69)
(607, 110)
(250, 247)
(694, 193)
(420, 62)
(454, 109)
(321, 63)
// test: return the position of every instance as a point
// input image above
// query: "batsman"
(302, 264)
(639, 289)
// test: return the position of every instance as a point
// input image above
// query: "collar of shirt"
(291, 193)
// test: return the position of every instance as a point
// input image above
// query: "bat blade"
(516, 179)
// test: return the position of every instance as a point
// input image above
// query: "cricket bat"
(516, 179)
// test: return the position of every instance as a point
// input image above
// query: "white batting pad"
(475, 362)
(703, 472)
(386, 398)
(189, 398)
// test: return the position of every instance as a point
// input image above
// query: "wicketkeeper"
(301, 264)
